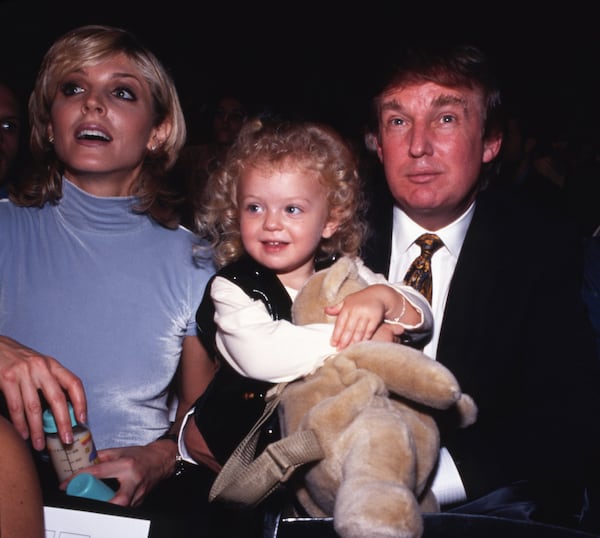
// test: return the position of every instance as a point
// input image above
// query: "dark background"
(317, 57)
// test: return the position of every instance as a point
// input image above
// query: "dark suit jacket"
(516, 335)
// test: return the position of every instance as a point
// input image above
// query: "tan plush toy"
(369, 406)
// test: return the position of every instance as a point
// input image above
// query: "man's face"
(432, 148)
(229, 118)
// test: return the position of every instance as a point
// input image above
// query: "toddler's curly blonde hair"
(271, 142)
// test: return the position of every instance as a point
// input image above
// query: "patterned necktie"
(418, 275)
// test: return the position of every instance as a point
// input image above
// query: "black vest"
(232, 403)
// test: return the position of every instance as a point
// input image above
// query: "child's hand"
(358, 316)
(361, 314)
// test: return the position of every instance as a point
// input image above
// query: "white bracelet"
(396, 320)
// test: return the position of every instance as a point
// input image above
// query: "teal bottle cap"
(90, 487)
(49, 422)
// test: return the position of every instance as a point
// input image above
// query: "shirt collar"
(453, 235)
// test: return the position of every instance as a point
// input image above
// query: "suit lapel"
(481, 269)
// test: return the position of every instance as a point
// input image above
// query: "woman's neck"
(105, 185)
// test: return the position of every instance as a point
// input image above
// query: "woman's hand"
(24, 372)
(137, 468)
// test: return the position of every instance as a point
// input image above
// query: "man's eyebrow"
(439, 101)
(391, 105)
(449, 99)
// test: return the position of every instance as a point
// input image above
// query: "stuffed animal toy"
(370, 406)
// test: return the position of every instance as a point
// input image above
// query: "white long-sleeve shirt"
(278, 351)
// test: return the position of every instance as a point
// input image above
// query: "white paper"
(65, 523)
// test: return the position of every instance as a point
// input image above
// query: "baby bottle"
(68, 459)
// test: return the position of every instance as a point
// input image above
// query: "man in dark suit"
(509, 319)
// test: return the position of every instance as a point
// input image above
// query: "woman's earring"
(51, 139)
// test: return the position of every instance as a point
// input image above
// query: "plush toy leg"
(376, 495)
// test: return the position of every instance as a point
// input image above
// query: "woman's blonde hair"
(271, 142)
(85, 46)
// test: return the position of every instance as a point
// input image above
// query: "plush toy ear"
(342, 270)
(324, 288)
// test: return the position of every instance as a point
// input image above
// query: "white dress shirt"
(447, 485)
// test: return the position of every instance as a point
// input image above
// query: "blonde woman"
(98, 287)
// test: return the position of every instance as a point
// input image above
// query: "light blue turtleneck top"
(108, 293)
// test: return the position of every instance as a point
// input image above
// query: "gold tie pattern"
(418, 275)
